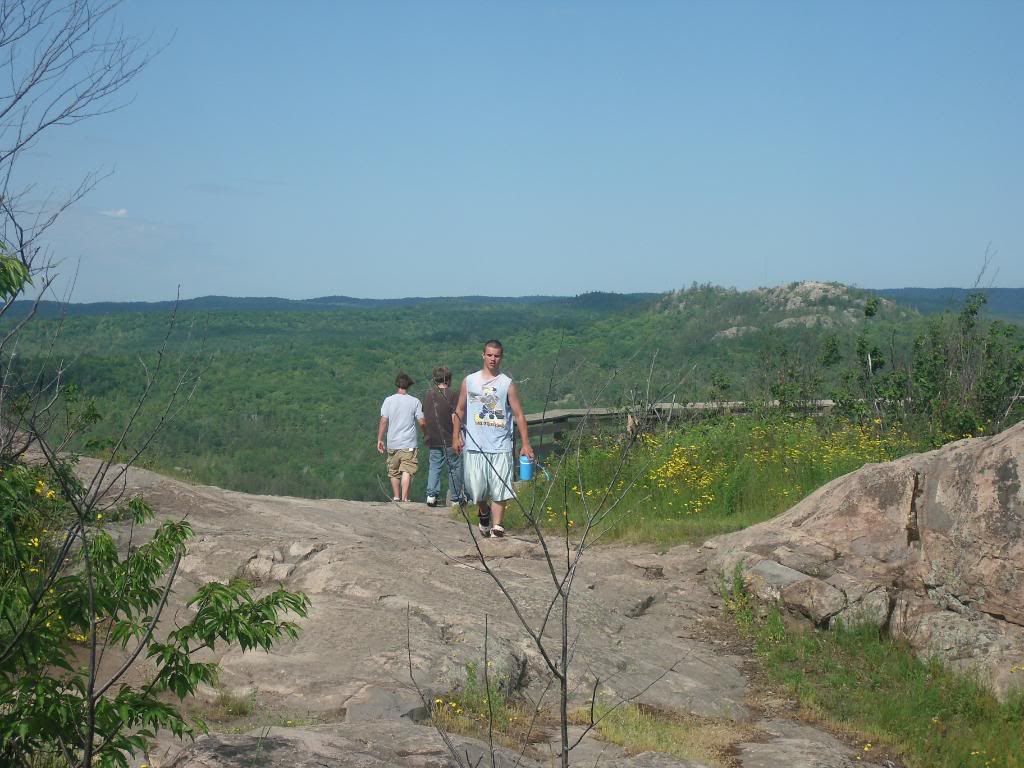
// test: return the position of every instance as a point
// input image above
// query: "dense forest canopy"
(289, 398)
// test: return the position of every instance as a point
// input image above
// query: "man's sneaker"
(431, 501)
(497, 531)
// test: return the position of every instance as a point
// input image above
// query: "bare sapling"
(73, 596)
(551, 633)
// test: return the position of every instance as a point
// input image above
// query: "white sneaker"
(431, 501)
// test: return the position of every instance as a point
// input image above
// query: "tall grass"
(703, 479)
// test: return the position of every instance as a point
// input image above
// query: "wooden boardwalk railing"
(549, 428)
(659, 411)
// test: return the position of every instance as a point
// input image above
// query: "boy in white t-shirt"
(399, 415)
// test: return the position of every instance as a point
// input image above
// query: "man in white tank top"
(482, 433)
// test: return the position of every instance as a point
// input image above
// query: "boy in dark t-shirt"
(438, 407)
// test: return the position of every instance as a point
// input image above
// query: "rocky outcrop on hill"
(727, 314)
(930, 546)
(806, 321)
(808, 293)
(734, 332)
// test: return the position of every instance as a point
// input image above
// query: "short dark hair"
(403, 381)
(442, 375)
(493, 343)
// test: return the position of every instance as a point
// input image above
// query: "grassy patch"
(876, 690)
(637, 729)
(232, 713)
(473, 709)
(228, 706)
(481, 705)
(703, 479)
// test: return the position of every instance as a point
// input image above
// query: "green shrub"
(67, 593)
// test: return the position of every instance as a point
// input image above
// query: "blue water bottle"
(525, 468)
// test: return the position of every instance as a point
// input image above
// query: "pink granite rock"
(930, 546)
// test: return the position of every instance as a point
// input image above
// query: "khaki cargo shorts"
(403, 460)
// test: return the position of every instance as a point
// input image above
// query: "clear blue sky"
(386, 149)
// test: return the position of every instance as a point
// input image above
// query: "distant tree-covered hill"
(50, 309)
(1006, 303)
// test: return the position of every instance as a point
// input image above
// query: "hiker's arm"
(517, 411)
(421, 419)
(458, 419)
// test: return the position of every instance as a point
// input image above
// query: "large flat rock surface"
(401, 589)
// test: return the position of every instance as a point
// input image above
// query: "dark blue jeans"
(447, 462)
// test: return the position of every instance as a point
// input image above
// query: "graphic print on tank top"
(491, 412)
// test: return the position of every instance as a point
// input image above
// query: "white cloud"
(116, 213)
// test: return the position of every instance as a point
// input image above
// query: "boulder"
(929, 546)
